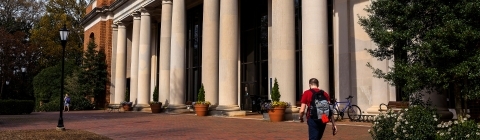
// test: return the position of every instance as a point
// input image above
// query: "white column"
(210, 50)
(177, 65)
(144, 60)
(228, 56)
(164, 63)
(134, 58)
(112, 63)
(283, 48)
(380, 91)
(120, 67)
(315, 42)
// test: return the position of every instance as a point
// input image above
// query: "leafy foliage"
(414, 123)
(15, 53)
(275, 92)
(435, 44)
(458, 130)
(45, 35)
(201, 94)
(93, 75)
(155, 94)
(48, 82)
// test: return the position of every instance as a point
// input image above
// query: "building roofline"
(104, 9)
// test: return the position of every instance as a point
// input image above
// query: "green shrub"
(275, 92)
(155, 94)
(80, 103)
(77, 102)
(51, 105)
(15, 107)
(458, 130)
(414, 123)
(383, 124)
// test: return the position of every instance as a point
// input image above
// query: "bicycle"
(353, 111)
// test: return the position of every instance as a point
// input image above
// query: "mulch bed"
(50, 134)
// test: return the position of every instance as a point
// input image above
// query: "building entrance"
(253, 53)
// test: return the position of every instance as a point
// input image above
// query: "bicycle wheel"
(336, 115)
(354, 112)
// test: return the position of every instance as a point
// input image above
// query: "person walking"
(319, 111)
(66, 100)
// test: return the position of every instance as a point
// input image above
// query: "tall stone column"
(120, 67)
(283, 49)
(379, 90)
(210, 50)
(112, 63)
(164, 63)
(134, 58)
(315, 43)
(144, 60)
(228, 56)
(177, 64)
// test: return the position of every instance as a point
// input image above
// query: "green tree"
(45, 33)
(201, 94)
(275, 92)
(93, 75)
(433, 43)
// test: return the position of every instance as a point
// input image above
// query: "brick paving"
(140, 125)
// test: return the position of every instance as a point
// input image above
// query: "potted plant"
(201, 106)
(276, 108)
(126, 104)
(155, 105)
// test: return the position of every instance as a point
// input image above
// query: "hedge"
(15, 107)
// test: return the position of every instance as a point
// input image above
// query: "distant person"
(66, 107)
(319, 111)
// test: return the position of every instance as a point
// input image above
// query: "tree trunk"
(458, 102)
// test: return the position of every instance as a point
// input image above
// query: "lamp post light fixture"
(63, 39)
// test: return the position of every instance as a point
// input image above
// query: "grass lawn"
(50, 134)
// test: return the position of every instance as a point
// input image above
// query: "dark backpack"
(319, 107)
(67, 100)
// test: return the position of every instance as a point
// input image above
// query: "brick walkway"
(139, 125)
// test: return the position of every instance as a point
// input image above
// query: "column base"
(291, 113)
(228, 110)
(228, 107)
(374, 110)
(177, 109)
(142, 108)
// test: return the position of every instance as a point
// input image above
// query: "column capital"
(120, 24)
(136, 15)
(144, 11)
(114, 27)
(166, 1)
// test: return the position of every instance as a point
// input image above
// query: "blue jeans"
(315, 129)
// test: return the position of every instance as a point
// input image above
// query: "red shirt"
(307, 99)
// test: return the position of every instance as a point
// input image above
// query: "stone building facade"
(235, 48)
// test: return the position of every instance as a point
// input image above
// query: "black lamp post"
(63, 39)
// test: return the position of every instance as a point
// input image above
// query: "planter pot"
(276, 114)
(127, 107)
(156, 108)
(201, 109)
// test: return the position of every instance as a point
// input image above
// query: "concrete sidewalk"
(141, 125)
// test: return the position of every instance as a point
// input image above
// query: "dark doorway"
(254, 51)
(194, 52)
